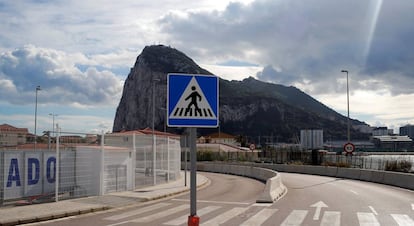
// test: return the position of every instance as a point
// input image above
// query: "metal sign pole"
(193, 219)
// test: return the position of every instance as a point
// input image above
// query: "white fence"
(107, 164)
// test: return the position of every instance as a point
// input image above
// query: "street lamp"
(53, 122)
(347, 100)
(153, 129)
(35, 129)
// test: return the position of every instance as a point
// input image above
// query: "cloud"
(311, 41)
(269, 74)
(61, 81)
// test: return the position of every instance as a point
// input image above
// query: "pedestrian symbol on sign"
(192, 104)
(194, 95)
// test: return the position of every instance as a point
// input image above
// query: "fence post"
(154, 157)
(1, 178)
(133, 160)
(57, 165)
(101, 182)
(168, 159)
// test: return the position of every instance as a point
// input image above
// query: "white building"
(311, 139)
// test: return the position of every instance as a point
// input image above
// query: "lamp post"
(53, 122)
(153, 131)
(347, 100)
(35, 129)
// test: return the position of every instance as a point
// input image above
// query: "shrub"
(398, 166)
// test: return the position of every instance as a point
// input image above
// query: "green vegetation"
(398, 166)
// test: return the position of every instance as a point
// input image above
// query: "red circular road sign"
(349, 147)
(252, 147)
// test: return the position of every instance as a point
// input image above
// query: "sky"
(80, 53)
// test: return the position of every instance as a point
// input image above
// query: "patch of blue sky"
(9, 109)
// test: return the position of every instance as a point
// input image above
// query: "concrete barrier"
(402, 180)
(274, 188)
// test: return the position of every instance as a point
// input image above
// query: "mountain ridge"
(247, 108)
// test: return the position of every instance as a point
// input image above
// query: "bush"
(398, 166)
(337, 164)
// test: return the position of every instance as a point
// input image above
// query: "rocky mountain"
(248, 108)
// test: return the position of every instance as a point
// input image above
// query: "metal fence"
(86, 165)
(394, 162)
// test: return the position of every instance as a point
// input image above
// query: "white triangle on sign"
(192, 104)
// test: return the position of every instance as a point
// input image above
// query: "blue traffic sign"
(192, 100)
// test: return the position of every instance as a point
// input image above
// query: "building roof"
(220, 135)
(145, 131)
(393, 138)
(9, 128)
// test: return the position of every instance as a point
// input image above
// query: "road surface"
(311, 200)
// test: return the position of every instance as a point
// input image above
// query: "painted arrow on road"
(319, 205)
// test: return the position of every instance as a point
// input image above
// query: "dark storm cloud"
(270, 74)
(311, 40)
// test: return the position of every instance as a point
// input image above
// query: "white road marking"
(137, 211)
(263, 204)
(367, 219)
(216, 202)
(319, 205)
(331, 218)
(162, 214)
(412, 206)
(356, 193)
(403, 220)
(183, 219)
(295, 218)
(259, 217)
(373, 210)
(220, 219)
(123, 222)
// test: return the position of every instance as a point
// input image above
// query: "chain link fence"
(294, 155)
(68, 165)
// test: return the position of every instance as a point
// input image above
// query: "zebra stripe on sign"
(184, 112)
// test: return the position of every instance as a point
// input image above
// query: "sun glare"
(372, 17)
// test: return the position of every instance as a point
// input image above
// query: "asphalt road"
(310, 200)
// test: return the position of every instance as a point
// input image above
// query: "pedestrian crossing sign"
(192, 100)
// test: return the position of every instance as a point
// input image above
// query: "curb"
(52, 216)
(47, 217)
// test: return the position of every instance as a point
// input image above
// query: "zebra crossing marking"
(183, 219)
(367, 219)
(260, 217)
(403, 220)
(161, 214)
(263, 204)
(331, 218)
(295, 218)
(220, 219)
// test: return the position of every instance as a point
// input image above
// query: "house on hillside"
(218, 138)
